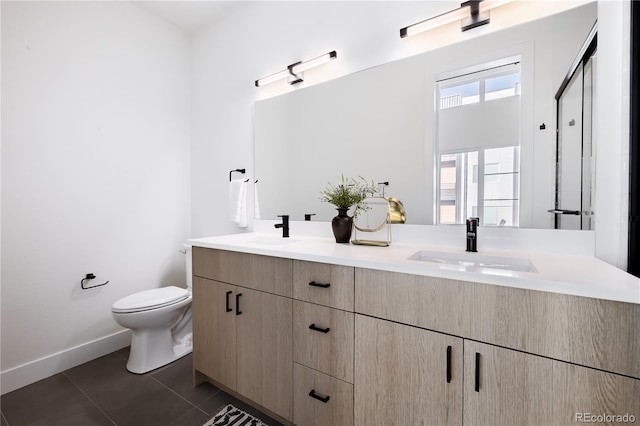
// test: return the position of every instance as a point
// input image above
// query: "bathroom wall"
(95, 175)
(264, 37)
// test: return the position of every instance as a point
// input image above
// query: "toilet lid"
(150, 299)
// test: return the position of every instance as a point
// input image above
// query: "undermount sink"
(474, 260)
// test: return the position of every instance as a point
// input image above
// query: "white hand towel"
(256, 202)
(238, 202)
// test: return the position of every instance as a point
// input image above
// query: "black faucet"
(307, 216)
(472, 234)
(284, 225)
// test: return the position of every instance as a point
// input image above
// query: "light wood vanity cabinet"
(323, 344)
(319, 344)
(529, 374)
(243, 337)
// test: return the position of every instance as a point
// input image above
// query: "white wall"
(95, 174)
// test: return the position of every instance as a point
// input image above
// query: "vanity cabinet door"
(214, 330)
(264, 350)
(406, 375)
(508, 387)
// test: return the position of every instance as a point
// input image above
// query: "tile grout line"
(152, 376)
(183, 398)
(89, 398)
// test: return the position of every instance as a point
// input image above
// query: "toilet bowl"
(160, 321)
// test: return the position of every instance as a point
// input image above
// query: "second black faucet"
(472, 234)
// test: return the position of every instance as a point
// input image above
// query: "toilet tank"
(187, 263)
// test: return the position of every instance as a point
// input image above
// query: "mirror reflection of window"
(463, 94)
(502, 86)
(479, 162)
(449, 199)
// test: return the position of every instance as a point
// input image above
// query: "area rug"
(233, 416)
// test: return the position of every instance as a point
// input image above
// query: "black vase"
(342, 225)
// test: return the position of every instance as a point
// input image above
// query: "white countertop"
(584, 276)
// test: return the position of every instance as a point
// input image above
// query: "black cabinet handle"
(315, 284)
(238, 311)
(228, 307)
(448, 364)
(321, 330)
(477, 372)
(324, 399)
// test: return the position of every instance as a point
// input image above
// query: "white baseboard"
(33, 371)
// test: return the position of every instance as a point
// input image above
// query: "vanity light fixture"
(295, 72)
(471, 14)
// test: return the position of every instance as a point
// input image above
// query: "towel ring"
(243, 171)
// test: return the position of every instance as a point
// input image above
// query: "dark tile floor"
(103, 392)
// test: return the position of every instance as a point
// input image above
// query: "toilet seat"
(150, 299)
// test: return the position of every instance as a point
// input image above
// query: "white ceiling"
(188, 14)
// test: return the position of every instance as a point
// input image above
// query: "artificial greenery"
(348, 192)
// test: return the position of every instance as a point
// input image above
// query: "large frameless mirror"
(387, 124)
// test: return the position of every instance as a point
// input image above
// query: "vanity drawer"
(324, 284)
(436, 304)
(320, 400)
(264, 273)
(323, 339)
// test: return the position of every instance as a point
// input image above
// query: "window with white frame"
(478, 139)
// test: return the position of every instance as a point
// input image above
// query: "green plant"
(348, 192)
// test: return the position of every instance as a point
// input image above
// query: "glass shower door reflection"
(575, 149)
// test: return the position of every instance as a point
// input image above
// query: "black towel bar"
(243, 171)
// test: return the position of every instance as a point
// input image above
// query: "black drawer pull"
(321, 330)
(315, 284)
(228, 307)
(324, 399)
(448, 364)
(477, 372)
(238, 311)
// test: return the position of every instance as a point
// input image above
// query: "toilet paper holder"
(89, 277)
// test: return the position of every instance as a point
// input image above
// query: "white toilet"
(160, 320)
